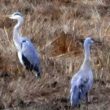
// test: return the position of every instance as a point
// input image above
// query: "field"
(57, 28)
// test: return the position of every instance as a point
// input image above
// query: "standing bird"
(82, 81)
(27, 54)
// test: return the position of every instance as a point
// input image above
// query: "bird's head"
(88, 42)
(16, 16)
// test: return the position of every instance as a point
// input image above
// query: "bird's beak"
(9, 16)
(98, 42)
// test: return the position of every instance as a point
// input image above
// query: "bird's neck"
(86, 62)
(17, 33)
(17, 28)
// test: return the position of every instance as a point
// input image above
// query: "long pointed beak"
(98, 42)
(8, 16)
(5, 16)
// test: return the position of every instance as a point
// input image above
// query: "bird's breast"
(20, 57)
(17, 45)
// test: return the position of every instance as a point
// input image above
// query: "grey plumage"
(27, 54)
(82, 81)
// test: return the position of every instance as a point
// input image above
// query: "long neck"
(16, 31)
(17, 34)
(86, 62)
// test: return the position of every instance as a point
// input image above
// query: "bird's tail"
(75, 96)
(37, 71)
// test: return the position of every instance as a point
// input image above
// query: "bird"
(27, 53)
(82, 81)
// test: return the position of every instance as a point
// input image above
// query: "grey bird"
(27, 54)
(82, 81)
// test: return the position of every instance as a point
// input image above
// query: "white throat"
(17, 34)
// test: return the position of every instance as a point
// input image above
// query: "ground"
(57, 28)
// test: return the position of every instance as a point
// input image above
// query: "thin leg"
(79, 106)
(87, 100)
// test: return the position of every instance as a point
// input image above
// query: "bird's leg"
(35, 73)
(24, 68)
(79, 106)
(87, 100)
(37, 76)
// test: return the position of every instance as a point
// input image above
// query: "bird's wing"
(29, 52)
(82, 85)
(87, 78)
(27, 63)
(85, 84)
(75, 90)
(74, 96)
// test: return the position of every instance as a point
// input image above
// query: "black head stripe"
(18, 13)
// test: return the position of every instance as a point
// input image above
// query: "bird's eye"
(17, 14)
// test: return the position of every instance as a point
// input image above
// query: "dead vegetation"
(57, 28)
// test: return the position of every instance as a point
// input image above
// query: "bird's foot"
(37, 76)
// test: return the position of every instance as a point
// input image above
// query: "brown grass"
(57, 28)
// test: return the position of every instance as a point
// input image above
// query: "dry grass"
(57, 29)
